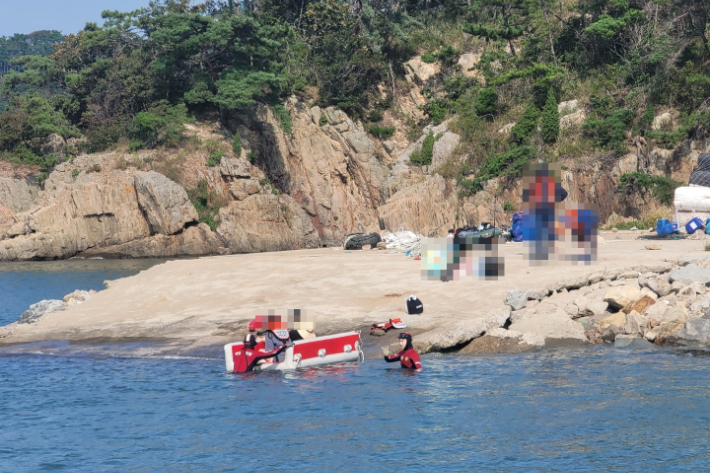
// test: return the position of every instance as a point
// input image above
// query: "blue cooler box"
(694, 225)
(666, 228)
(660, 223)
(707, 226)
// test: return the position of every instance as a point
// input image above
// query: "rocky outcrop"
(196, 240)
(419, 71)
(164, 203)
(18, 195)
(429, 208)
(327, 164)
(91, 210)
(107, 213)
(266, 223)
(469, 64)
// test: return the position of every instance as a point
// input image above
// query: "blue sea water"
(24, 283)
(76, 408)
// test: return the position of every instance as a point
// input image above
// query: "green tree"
(550, 122)
(497, 20)
(526, 124)
(487, 103)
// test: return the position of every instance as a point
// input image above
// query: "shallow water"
(24, 283)
(74, 407)
(594, 409)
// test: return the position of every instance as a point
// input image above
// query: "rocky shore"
(663, 304)
(633, 296)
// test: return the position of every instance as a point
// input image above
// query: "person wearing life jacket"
(249, 356)
(408, 356)
(276, 337)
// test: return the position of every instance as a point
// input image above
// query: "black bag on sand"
(414, 305)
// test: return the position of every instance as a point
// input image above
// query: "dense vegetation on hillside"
(140, 76)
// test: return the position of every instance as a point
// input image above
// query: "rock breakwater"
(661, 303)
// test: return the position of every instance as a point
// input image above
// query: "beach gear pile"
(385, 327)
(406, 241)
(692, 202)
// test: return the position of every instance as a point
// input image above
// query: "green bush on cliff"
(425, 154)
(661, 187)
(609, 133)
(382, 132)
(509, 163)
(207, 204)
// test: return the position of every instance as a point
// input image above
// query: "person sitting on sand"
(408, 356)
(248, 357)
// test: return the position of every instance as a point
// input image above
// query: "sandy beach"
(187, 304)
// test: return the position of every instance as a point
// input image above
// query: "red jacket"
(407, 358)
(245, 359)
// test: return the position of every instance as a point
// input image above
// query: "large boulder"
(630, 341)
(662, 121)
(640, 305)
(461, 332)
(695, 332)
(266, 222)
(658, 285)
(443, 147)
(636, 324)
(235, 167)
(553, 327)
(690, 274)
(164, 202)
(621, 296)
(469, 64)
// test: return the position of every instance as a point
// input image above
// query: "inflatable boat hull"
(339, 348)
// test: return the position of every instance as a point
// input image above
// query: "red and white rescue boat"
(339, 348)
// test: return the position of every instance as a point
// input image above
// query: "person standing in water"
(408, 356)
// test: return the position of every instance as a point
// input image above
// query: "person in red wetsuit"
(247, 357)
(408, 356)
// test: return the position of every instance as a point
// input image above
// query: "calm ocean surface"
(63, 408)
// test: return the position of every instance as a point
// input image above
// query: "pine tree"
(526, 125)
(550, 119)
(487, 103)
